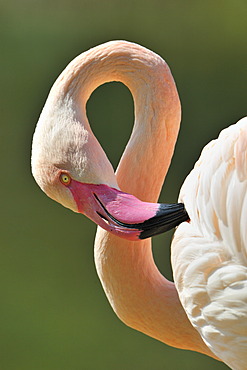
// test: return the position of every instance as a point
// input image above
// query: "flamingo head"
(118, 212)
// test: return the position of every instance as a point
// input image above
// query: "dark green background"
(54, 315)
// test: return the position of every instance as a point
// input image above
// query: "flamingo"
(205, 309)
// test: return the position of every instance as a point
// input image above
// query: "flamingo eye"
(65, 179)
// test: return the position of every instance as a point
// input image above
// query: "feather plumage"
(209, 254)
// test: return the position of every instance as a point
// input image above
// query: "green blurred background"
(54, 315)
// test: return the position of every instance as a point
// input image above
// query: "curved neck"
(156, 102)
(138, 293)
(140, 296)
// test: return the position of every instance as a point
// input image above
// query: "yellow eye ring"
(65, 179)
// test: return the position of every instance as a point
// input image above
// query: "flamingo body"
(209, 254)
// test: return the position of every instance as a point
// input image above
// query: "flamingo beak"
(123, 214)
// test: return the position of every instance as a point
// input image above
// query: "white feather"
(209, 254)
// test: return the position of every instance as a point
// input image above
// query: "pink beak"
(123, 214)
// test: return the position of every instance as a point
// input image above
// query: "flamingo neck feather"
(141, 297)
(157, 110)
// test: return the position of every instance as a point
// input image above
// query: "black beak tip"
(167, 217)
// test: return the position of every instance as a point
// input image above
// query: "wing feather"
(209, 254)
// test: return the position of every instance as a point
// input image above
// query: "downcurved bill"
(123, 214)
